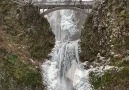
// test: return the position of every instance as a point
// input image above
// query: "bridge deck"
(53, 6)
(83, 4)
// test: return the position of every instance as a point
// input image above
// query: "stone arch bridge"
(49, 7)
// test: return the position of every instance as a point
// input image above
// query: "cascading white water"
(63, 71)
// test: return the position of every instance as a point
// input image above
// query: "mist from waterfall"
(64, 71)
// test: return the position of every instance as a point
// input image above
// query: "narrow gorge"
(64, 49)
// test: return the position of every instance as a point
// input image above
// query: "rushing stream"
(64, 71)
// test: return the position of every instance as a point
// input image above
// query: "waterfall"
(64, 71)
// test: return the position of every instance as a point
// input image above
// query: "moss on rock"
(106, 30)
(111, 80)
(25, 40)
(27, 27)
(16, 75)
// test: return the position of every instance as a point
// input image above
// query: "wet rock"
(25, 41)
(105, 28)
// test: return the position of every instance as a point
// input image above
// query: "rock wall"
(105, 41)
(106, 31)
(26, 40)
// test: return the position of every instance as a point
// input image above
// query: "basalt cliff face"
(106, 30)
(26, 40)
(105, 41)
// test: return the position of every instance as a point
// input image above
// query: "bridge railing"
(64, 3)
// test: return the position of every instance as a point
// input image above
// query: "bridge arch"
(61, 8)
